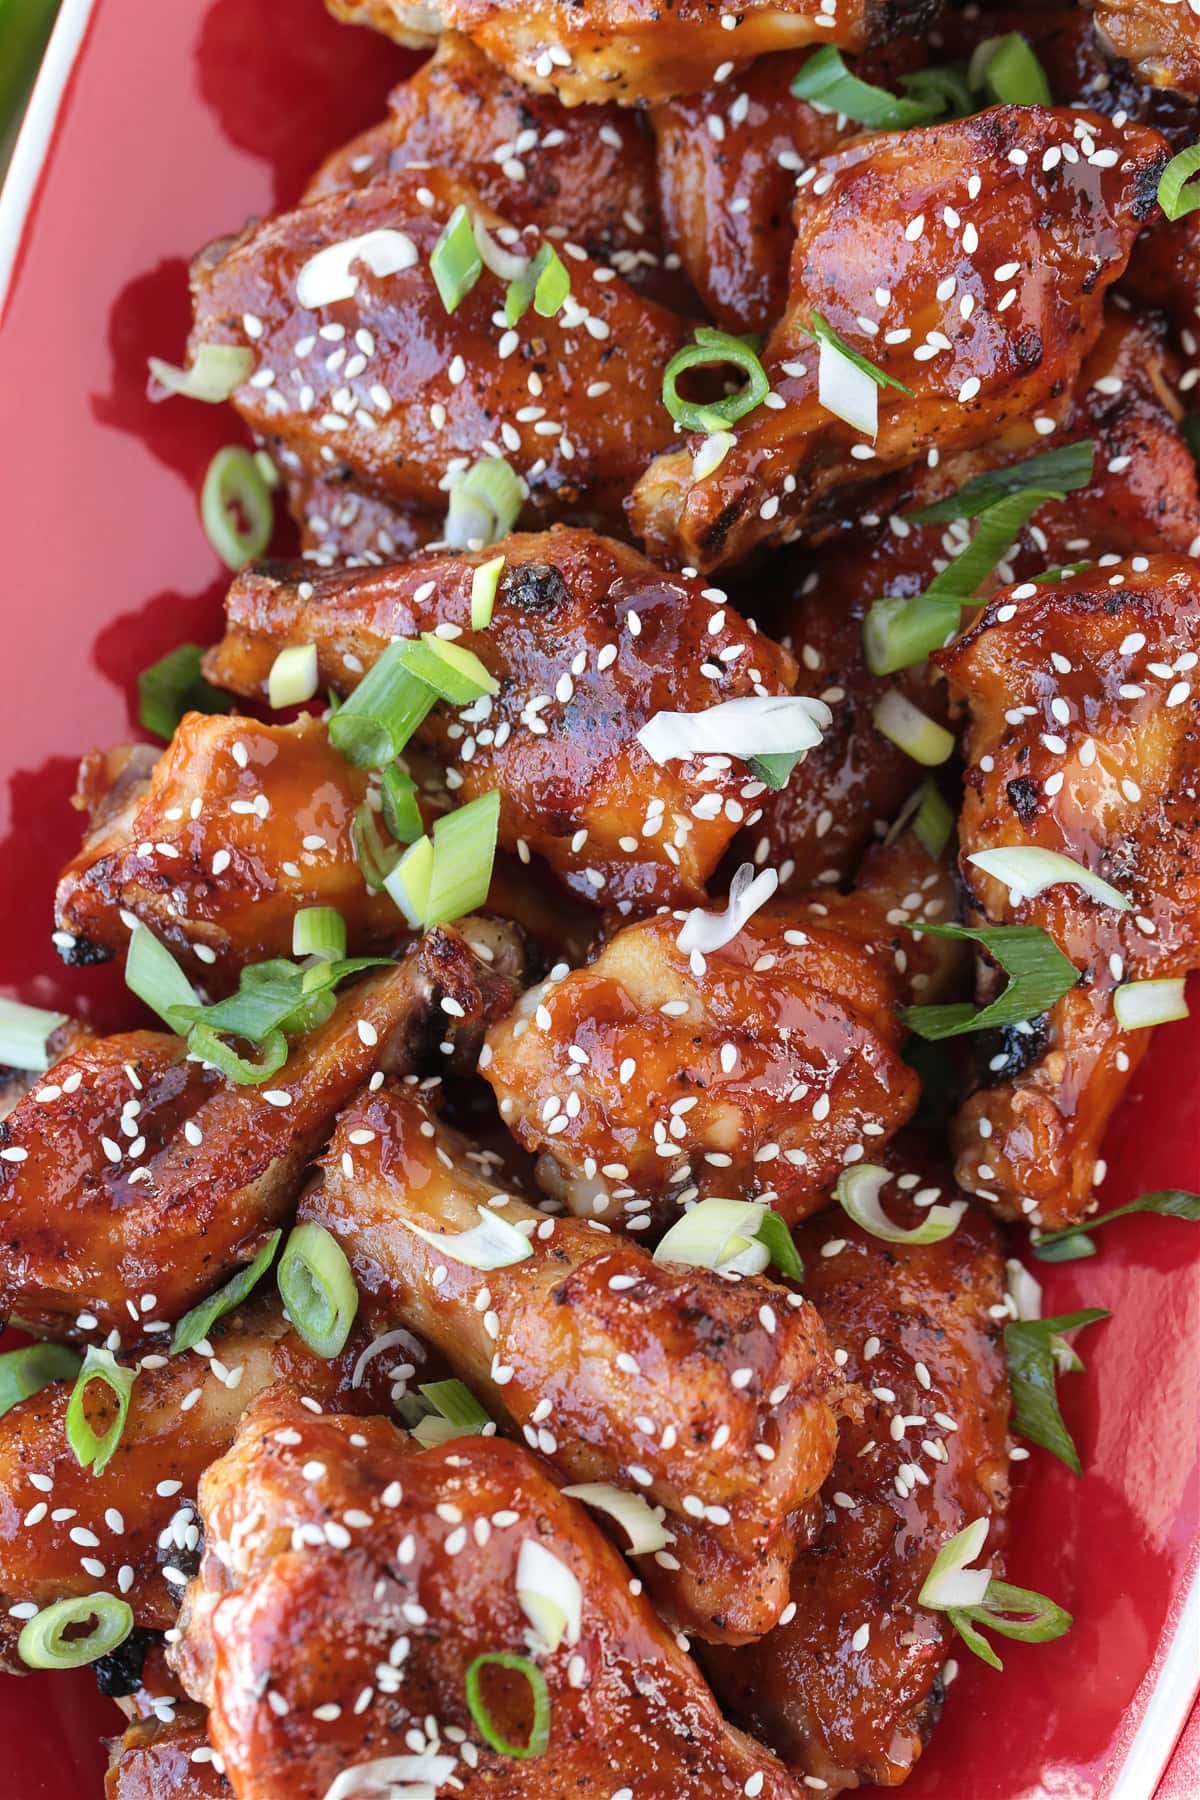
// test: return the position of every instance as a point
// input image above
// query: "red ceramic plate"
(154, 129)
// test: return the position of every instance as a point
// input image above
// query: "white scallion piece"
(950, 1582)
(1024, 1289)
(509, 265)
(857, 1193)
(767, 725)
(215, 371)
(846, 390)
(24, 1031)
(712, 453)
(492, 1244)
(717, 1234)
(293, 676)
(709, 931)
(550, 1596)
(413, 1777)
(327, 277)
(1028, 871)
(634, 1514)
(911, 730)
(1140, 1004)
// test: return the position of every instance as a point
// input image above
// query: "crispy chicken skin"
(632, 51)
(1143, 496)
(155, 1760)
(1161, 41)
(588, 641)
(139, 1511)
(661, 1378)
(1082, 739)
(134, 1180)
(367, 1590)
(235, 828)
(639, 1082)
(420, 390)
(889, 223)
(919, 1332)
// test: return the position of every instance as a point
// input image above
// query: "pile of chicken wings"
(613, 1044)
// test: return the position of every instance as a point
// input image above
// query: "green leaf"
(1063, 1246)
(1029, 1347)
(1039, 975)
(826, 83)
(1053, 475)
(174, 685)
(775, 1235)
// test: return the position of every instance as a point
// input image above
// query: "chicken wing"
(850, 1688)
(664, 1379)
(219, 844)
(1082, 740)
(967, 261)
(360, 367)
(587, 641)
(346, 1592)
(1161, 41)
(132, 1530)
(134, 1179)
(640, 1083)
(157, 1761)
(632, 51)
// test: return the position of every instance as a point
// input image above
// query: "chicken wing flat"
(640, 1083)
(233, 830)
(132, 1530)
(166, 1761)
(337, 1614)
(850, 1688)
(663, 1379)
(969, 262)
(1082, 741)
(133, 1179)
(587, 641)
(369, 373)
(1162, 42)
(631, 51)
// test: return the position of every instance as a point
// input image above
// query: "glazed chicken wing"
(967, 261)
(358, 366)
(133, 1179)
(587, 641)
(166, 1761)
(1082, 740)
(632, 51)
(132, 1530)
(849, 1689)
(1161, 40)
(219, 844)
(713, 1398)
(349, 1583)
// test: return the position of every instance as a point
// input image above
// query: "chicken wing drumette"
(1082, 740)
(632, 51)
(349, 1584)
(967, 261)
(849, 1689)
(360, 370)
(587, 641)
(640, 1082)
(133, 1179)
(715, 1399)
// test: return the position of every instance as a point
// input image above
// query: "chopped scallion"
(1069, 1244)
(714, 350)
(857, 1193)
(544, 284)
(44, 1642)
(455, 1412)
(25, 1033)
(1029, 1345)
(451, 670)
(464, 850)
(1007, 69)
(94, 1451)
(174, 685)
(455, 262)
(1177, 192)
(826, 83)
(152, 973)
(484, 581)
(319, 931)
(375, 859)
(1039, 975)
(401, 812)
(539, 1731)
(293, 676)
(197, 1323)
(1053, 474)
(216, 369)
(232, 486)
(317, 1287)
(373, 725)
(485, 504)
(911, 730)
(33, 1367)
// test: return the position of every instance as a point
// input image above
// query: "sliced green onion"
(1177, 192)
(492, 1244)
(464, 850)
(1141, 1004)
(543, 282)
(933, 821)
(711, 454)
(25, 1032)
(775, 1234)
(451, 670)
(714, 1233)
(246, 1071)
(1027, 871)
(951, 1581)
(1053, 474)
(401, 813)
(373, 725)
(233, 482)
(319, 931)
(152, 973)
(1073, 1241)
(456, 1413)
(539, 1734)
(773, 771)
(713, 350)
(485, 504)
(484, 582)
(826, 83)
(941, 86)
(847, 391)
(408, 881)
(824, 333)
(455, 262)
(93, 1452)
(174, 685)
(33, 1367)
(641, 1523)
(44, 1643)
(215, 371)
(1041, 1623)
(999, 527)
(897, 633)
(911, 730)
(198, 1323)
(317, 1288)
(549, 1595)
(752, 728)
(1039, 976)
(1029, 1345)
(857, 1193)
(1010, 72)
(273, 999)
(375, 859)
(293, 676)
